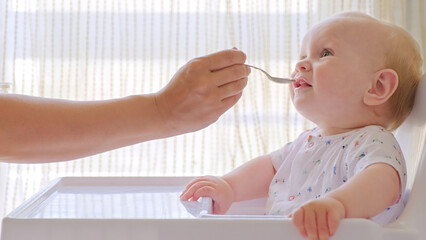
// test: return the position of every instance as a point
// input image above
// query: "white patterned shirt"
(313, 165)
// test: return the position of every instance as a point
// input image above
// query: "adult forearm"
(42, 130)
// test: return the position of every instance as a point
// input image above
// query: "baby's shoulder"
(372, 139)
(374, 134)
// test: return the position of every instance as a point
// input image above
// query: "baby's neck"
(367, 116)
(329, 131)
(334, 131)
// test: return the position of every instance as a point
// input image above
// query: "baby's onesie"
(313, 165)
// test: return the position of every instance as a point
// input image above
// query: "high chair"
(130, 208)
(411, 136)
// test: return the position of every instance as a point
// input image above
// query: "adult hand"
(216, 188)
(202, 90)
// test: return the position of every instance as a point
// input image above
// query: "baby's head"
(355, 71)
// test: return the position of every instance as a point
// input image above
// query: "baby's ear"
(382, 87)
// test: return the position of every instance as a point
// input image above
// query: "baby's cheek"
(330, 85)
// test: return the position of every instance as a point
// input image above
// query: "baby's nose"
(303, 66)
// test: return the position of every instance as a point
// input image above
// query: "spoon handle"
(274, 79)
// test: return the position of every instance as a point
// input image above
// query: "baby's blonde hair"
(403, 56)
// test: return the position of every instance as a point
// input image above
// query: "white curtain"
(87, 50)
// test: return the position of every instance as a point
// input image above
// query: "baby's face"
(338, 59)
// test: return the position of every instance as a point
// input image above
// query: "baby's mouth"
(301, 82)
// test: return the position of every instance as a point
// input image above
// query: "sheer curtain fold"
(87, 50)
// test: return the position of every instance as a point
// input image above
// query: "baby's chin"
(303, 107)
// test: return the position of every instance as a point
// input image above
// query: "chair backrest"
(411, 136)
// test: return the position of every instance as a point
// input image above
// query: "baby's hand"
(318, 219)
(209, 186)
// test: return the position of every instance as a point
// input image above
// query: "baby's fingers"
(333, 222)
(189, 190)
(197, 189)
(322, 226)
(190, 184)
(311, 224)
(205, 191)
(299, 221)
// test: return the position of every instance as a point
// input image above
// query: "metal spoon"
(274, 79)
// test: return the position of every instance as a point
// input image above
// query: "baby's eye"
(326, 53)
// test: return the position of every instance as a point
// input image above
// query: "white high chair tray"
(107, 208)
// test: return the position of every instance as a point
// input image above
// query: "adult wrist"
(164, 114)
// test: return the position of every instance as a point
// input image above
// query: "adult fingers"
(222, 59)
(229, 102)
(229, 74)
(232, 88)
(230, 94)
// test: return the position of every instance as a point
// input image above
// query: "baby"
(355, 79)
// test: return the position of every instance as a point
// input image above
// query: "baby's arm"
(365, 195)
(250, 180)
